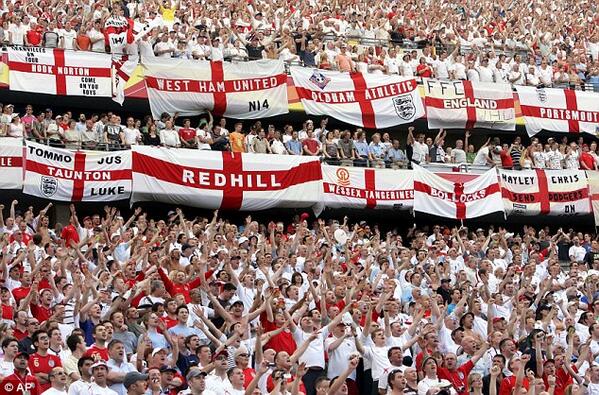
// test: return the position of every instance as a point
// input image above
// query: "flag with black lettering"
(534, 192)
(118, 32)
(74, 176)
(559, 110)
(55, 71)
(226, 180)
(468, 105)
(361, 99)
(246, 90)
(436, 195)
(11, 163)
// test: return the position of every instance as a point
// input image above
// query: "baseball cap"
(157, 350)
(193, 373)
(22, 354)
(242, 240)
(133, 377)
(223, 352)
(101, 362)
(166, 368)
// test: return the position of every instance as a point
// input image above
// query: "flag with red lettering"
(55, 71)
(232, 181)
(367, 100)
(246, 90)
(11, 163)
(438, 196)
(559, 110)
(358, 187)
(468, 105)
(534, 192)
(74, 176)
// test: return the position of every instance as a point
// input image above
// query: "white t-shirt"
(67, 38)
(339, 357)
(378, 358)
(481, 156)
(314, 355)
(131, 135)
(419, 151)
(54, 391)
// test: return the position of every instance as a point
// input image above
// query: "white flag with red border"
(438, 196)
(367, 100)
(593, 179)
(359, 187)
(74, 176)
(11, 163)
(232, 181)
(246, 90)
(468, 105)
(55, 71)
(559, 110)
(545, 192)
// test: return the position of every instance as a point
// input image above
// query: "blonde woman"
(475, 384)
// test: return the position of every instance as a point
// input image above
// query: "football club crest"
(404, 107)
(319, 79)
(343, 177)
(48, 186)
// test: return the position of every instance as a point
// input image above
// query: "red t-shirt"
(94, 349)
(588, 160)
(20, 293)
(311, 144)
(248, 376)
(509, 383)
(40, 312)
(426, 73)
(14, 384)
(281, 342)
(69, 233)
(169, 322)
(458, 378)
(506, 159)
(7, 312)
(187, 134)
(19, 335)
(43, 364)
(34, 37)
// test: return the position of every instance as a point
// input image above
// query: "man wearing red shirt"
(508, 384)
(98, 350)
(178, 284)
(21, 382)
(431, 344)
(40, 362)
(282, 341)
(69, 233)
(20, 328)
(34, 34)
(423, 69)
(587, 162)
(22, 292)
(187, 135)
(458, 376)
(40, 305)
(8, 310)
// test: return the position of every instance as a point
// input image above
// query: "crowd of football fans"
(523, 43)
(335, 146)
(174, 305)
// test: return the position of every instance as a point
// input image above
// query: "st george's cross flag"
(546, 192)
(11, 163)
(225, 180)
(366, 100)
(559, 110)
(55, 71)
(468, 105)
(359, 187)
(438, 196)
(245, 90)
(75, 176)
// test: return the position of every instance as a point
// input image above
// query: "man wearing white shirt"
(118, 367)
(516, 76)
(577, 252)
(58, 382)
(440, 65)
(546, 73)
(339, 348)
(67, 37)
(484, 71)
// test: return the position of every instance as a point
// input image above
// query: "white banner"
(593, 179)
(545, 192)
(437, 196)
(359, 187)
(72, 176)
(247, 90)
(11, 163)
(559, 110)
(367, 100)
(123, 67)
(59, 72)
(468, 105)
(233, 181)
